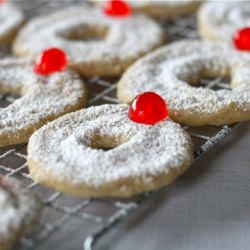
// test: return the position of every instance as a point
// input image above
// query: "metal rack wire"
(98, 215)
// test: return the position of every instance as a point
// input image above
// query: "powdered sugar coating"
(160, 3)
(66, 152)
(111, 47)
(162, 9)
(227, 18)
(172, 70)
(10, 18)
(19, 208)
(42, 99)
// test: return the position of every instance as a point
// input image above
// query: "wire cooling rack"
(97, 216)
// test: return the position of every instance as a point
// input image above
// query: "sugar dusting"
(228, 17)
(65, 148)
(10, 17)
(172, 70)
(41, 97)
(119, 36)
(18, 208)
(164, 9)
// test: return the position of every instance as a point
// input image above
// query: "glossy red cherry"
(50, 61)
(241, 39)
(148, 108)
(117, 8)
(2, 1)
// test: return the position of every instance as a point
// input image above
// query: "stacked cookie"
(148, 149)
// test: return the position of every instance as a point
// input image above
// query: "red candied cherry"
(148, 108)
(2, 1)
(241, 39)
(50, 61)
(117, 8)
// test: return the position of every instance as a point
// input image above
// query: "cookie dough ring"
(114, 43)
(19, 210)
(66, 154)
(228, 17)
(11, 20)
(42, 99)
(162, 9)
(174, 72)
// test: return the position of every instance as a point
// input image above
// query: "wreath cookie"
(67, 154)
(43, 98)
(19, 209)
(161, 9)
(227, 18)
(96, 44)
(11, 20)
(174, 72)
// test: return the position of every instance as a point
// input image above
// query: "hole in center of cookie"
(215, 83)
(212, 72)
(106, 143)
(84, 33)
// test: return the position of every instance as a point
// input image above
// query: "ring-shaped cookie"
(95, 43)
(42, 99)
(19, 209)
(11, 18)
(162, 9)
(68, 154)
(227, 18)
(174, 70)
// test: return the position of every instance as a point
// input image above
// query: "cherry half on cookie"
(148, 108)
(241, 39)
(117, 8)
(50, 61)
